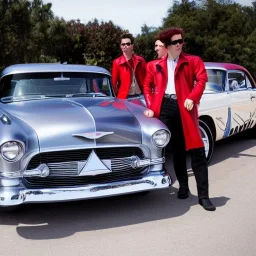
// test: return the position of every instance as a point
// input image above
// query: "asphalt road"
(154, 224)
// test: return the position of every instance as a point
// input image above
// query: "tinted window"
(248, 82)
(216, 80)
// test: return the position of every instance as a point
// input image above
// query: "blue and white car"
(228, 105)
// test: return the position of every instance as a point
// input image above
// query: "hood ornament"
(92, 135)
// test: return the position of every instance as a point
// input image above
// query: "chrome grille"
(64, 173)
(63, 169)
(83, 154)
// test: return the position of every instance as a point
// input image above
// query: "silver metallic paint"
(48, 125)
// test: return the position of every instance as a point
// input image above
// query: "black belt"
(171, 96)
(133, 95)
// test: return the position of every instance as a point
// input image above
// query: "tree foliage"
(215, 30)
(144, 43)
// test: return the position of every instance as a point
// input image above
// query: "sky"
(128, 14)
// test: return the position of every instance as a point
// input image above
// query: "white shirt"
(171, 65)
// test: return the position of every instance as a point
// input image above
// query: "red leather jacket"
(122, 74)
(190, 78)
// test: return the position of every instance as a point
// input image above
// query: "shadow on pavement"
(58, 220)
(233, 147)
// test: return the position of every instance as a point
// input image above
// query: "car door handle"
(253, 97)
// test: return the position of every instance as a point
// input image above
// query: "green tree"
(40, 18)
(56, 47)
(144, 42)
(15, 28)
(215, 30)
(103, 43)
(77, 41)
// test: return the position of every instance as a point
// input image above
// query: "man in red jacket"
(128, 70)
(179, 81)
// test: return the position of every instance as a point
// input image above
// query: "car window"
(55, 84)
(237, 80)
(248, 82)
(216, 80)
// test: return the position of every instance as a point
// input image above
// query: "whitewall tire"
(208, 140)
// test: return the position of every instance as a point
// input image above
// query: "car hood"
(78, 123)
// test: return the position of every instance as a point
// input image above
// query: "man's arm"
(201, 79)
(148, 81)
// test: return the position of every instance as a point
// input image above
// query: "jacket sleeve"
(143, 71)
(148, 81)
(115, 76)
(201, 78)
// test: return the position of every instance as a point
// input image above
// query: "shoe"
(183, 192)
(207, 204)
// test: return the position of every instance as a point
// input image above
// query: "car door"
(242, 101)
(215, 102)
(251, 85)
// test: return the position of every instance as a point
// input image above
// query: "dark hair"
(157, 37)
(127, 35)
(166, 35)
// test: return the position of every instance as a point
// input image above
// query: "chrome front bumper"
(16, 195)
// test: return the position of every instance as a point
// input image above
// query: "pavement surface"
(153, 224)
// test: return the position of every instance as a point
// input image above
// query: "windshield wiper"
(9, 99)
(86, 94)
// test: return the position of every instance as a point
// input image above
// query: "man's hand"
(148, 113)
(188, 104)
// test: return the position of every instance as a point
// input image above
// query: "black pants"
(170, 116)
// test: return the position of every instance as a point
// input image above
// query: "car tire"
(208, 140)
(253, 132)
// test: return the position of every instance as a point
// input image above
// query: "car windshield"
(30, 86)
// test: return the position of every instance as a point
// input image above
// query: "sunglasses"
(179, 41)
(128, 44)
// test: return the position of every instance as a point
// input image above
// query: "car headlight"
(161, 138)
(12, 151)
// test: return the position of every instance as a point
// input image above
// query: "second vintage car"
(228, 105)
(64, 136)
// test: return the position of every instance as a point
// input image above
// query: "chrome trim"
(19, 195)
(93, 166)
(137, 162)
(5, 119)
(92, 135)
(41, 171)
(5, 182)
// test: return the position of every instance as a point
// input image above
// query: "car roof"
(227, 66)
(51, 67)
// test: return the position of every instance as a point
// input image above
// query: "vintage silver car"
(228, 105)
(64, 136)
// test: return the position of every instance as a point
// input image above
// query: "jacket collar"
(163, 61)
(123, 60)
